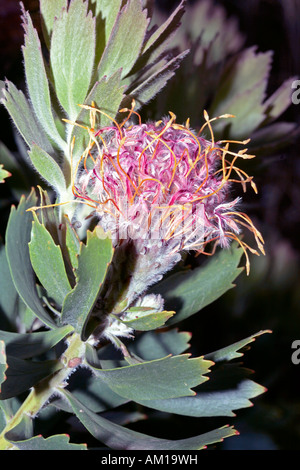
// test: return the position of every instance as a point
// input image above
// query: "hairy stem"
(43, 391)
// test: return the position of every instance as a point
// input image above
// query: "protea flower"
(162, 189)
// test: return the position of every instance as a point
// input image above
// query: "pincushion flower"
(163, 189)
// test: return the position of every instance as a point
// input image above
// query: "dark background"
(270, 297)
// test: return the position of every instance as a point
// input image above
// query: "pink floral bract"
(160, 182)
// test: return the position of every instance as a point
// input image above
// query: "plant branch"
(44, 390)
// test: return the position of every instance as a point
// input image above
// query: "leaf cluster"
(54, 304)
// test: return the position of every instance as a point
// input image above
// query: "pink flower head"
(161, 184)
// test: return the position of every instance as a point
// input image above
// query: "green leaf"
(8, 409)
(123, 418)
(171, 376)
(109, 11)
(23, 430)
(22, 375)
(126, 40)
(72, 243)
(3, 365)
(37, 81)
(157, 62)
(47, 262)
(18, 236)
(9, 296)
(214, 36)
(144, 90)
(107, 95)
(72, 55)
(117, 437)
(48, 168)
(163, 32)
(228, 389)
(28, 345)
(57, 442)
(220, 402)
(145, 321)
(279, 101)
(157, 50)
(3, 415)
(155, 345)
(14, 314)
(50, 10)
(92, 392)
(48, 216)
(242, 93)
(24, 118)
(189, 292)
(233, 351)
(93, 261)
(3, 174)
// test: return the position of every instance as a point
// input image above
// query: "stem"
(43, 391)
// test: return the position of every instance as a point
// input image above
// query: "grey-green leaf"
(118, 437)
(242, 93)
(37, 81)
(56, 442)
(48, 168)
(48, 264)
(24, 118)
(155, 345)
(189, 292)
(18, 236)
(72, 243)
(72, 56)
(92, 392)
(234, 350)
(9, 295)
(109, 11)
(8, 408)
(23, 430)
(171, 376)
(107, 95)
(279, 101)
(93, 261)
(28, 345)
(22, 375)
(145, 90)
(220, 402)
(126, 40)
(3, 365)
(50, 10)
(164, 31)
(147, 320)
